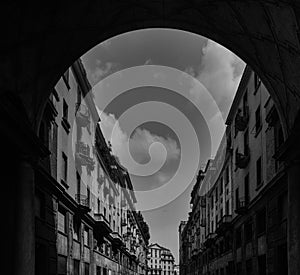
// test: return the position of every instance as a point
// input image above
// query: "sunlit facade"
(86, 222)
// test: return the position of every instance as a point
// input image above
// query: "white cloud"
(220, 72)
(148, 62)
(102, 70)
(139, 142)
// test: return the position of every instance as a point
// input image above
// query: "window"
(237, 198)
(66, 79)
(257, 120)
(227, 175)
(246, 143)
(246, 189)
(86, 236)
(227, 208)
(282, 207)
(261, 221)
(258, 172)
(76, 229)
(61, 220)
(39, 205)
(86, 269)
(249, 267)
(257, 82)
(61, 265)
(238, 238)
(248, 231)
(216, 193)
(98, 206)
(221, 186)
(65, 110)
(64, 168)
(78, 183)
(245, 103)
(262, 265)
(76, 267)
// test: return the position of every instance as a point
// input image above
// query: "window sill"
(66, 125)
(259, 186)
(258, 131)
(64, 184)
(256, 88)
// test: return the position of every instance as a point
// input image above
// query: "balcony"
(241, 207)
(102, 224)
(116, 238)
(242, 160)
(224, 224)
(83, 202)
(241, 119)
(82, 115)
(210, 238)
(83, 156)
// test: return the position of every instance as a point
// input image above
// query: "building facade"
(238, 221)
(86, 222)
(160, 260)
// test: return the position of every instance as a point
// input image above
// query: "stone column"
(289, 152)
(294, 217)
(25, 219)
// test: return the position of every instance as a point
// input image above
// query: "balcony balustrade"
(82, 115)
(224, 223)
(117, 239)
(210, 238)
(83, 202)
(83, 156)
(241, 208)
(241, 119)
(102, 224)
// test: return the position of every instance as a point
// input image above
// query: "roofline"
(239, 93)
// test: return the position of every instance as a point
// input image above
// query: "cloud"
(102, 70)
(139, 141)
(220, 72)
(148, 62)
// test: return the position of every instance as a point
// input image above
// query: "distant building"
(160, 260)
(176, 269)
(238, 221)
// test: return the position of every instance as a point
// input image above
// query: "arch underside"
(43, 40)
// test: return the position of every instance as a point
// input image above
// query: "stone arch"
(42, 40)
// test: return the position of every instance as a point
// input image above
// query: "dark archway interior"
(41, 40)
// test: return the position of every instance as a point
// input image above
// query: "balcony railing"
(224, 223)
(82, 115)
(83, 202)
(102, 224)
(117, 239)
(241, 119)
(83, 155)
(241, 206)
(242, 160)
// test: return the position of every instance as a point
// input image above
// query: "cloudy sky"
(163, 96)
